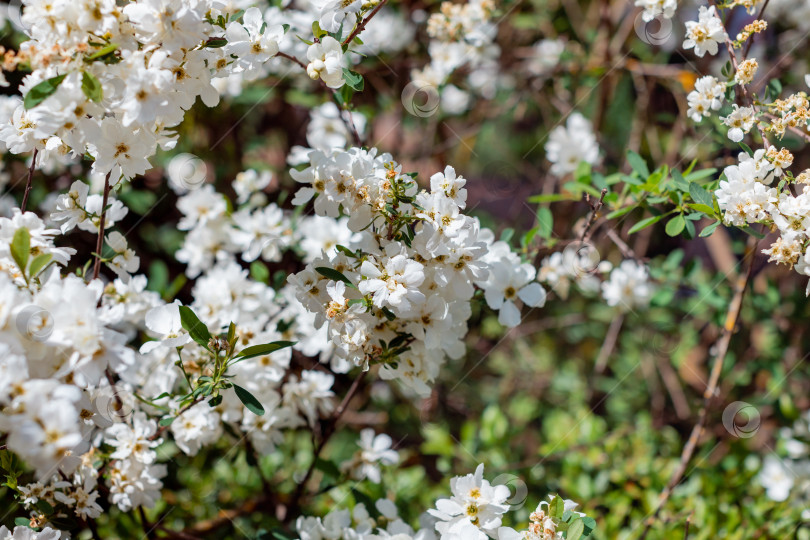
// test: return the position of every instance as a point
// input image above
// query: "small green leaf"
(104, 51)
(39, 263)
(21, 247)
(708, 210)
(700, 195)
(334, 275)
(91, 87)
(638, 164)
(263, 350)
(42, 91)
(709, 229)
(166, 421)
(679, 181)
(216, 42)
(575, 530)
(353, 80)
(249, 400)
(44, 507)
(675, 225)
(317, 31)
(259, 272)
(644, 223)
(545, 219)
(194, 326)
(327, 467)
(22, 522)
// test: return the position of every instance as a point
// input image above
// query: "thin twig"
(609, 344)
(363, 24)
(160, 430)
(30, 179)
(347, 119)
(751, 38)
(101, 219)
(594, 213)
(329, 430)
(732, 314)
(293, 59)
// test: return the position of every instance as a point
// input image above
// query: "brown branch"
(609, 344)
(751, 38)
(732, 314)
(100, 239)
(30, 179)
(363, 24)
(329, 430)
(594, 212)
(292, 59)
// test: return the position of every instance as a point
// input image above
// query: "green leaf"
(353, 80)
(259, 272)
(638, 164)
(545, 219)
(263, 350)
(39, 263)
(709, 229)
(675, 225)
(216, 42)
(575, 530)
(91, 87)
(698, 175)
(194, 326)
(317, 31)
(21, 247)
(708, 210)
(249, 400)
(700, 195)
(327, 467)
(590, 525)
(44, 507)
(334, 275)
(166, 421)
(620, 212)
(644, 223)
(679, 181)
(104, 51)
(22, 522)
(553, 197)
(42, 91)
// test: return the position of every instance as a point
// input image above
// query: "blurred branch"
(732, 314)
(30, 179)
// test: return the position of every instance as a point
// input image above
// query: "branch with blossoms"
(277, 359)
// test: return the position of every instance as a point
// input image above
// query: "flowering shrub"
(338, 316)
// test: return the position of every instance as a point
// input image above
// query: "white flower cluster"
(571, 144)
(705, 98)
(755, 191)
(112, 81)
(474, 511)
(706, 34)
(462, 35)
(626, 287)
(657, 8)
(399, 294)
(788, 478)
(359, 524)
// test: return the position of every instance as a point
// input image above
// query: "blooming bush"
(345, 296)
